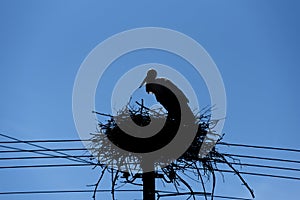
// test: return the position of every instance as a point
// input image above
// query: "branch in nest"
(97, 184)
(237, 173)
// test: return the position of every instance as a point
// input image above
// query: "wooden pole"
(149, 185)
(148, 177)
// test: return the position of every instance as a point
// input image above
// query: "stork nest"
(106, 143)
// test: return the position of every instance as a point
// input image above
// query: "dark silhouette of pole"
(149, 185)
(148, 179)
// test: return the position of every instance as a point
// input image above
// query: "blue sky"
(255, 45)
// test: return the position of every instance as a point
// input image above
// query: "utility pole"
(148, 183)
(148, 178)
(149, 186)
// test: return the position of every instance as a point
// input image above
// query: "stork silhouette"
(168, 95)
(180, 117)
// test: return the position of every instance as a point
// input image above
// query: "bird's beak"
(144, 81)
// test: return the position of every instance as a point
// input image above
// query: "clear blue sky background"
(254, 43)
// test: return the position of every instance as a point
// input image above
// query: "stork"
(167, 94)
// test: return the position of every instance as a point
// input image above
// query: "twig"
(187, 185)
(237, 173)
(114, 179)
(97, 184)
(202, 182)
(103, 114)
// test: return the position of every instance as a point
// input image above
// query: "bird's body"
(180, 119)
(168, 95)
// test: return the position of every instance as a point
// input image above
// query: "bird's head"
(151, 75)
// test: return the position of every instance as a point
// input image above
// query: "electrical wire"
(47, 153)
(89, 140)
(40, 151)
(165, 193)
(86, 164)
(90, 156)
(44, 148)
(262, 158)
(263, 166)
(61, 191)
(79, 158)
(259, 147)
(44, 157)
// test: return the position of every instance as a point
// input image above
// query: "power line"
(45, 141)
(79, 158)
(90, 140)
(61, 191)
(259, 147)
(44, 157)
(262, 158)
(90, 156)
(263, 166)
(44, 148)
(37, 151)
(86, 164)
(46, 166)
(165, 193)
(260, 174)
(25, 150)
(84, 149)
(201, 194)
(41, 150)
